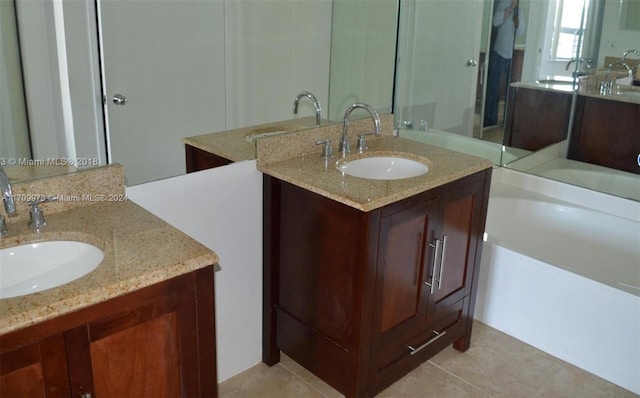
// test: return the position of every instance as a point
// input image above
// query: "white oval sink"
(383, 168)
(34, 267)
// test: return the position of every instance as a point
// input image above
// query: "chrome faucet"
(344, 142)
(316, 105)
(7, 195)
(607, 85)
(624, 55)
(580, 61)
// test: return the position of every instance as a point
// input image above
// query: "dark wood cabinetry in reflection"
(536, 118)
(607, 133)
(361, 298)
(158, 341)
(197, 159)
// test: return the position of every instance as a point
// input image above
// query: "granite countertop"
(312, 172)
(234, 145)
(622, 93)
(139, 250)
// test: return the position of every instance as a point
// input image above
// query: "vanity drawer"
(396, 359)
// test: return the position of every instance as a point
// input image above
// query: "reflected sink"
(256, 136)
(34, 267)
(555, 81)
(629, 93)
(383, 168)
(270, 131)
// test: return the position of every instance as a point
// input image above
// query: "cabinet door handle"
(442, 256)
(415, 350)
(437, 255)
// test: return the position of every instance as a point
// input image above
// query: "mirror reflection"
(556, 74)
(551, 113)
(168, 70)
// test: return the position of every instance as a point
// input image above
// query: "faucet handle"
(3, 226)
(362, 141)
(36, 215)
(327, 151)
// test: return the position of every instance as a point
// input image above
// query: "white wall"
(14, 140)
(275, 49)
(363, 55)
(222, 209)
(615, 41)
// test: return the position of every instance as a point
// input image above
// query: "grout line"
(458, 377)
(302, 380)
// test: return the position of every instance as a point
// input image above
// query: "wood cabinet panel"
(605, 132)
(346, 292)
(36, 370)
(528, 126)
(197, 159)
(122, 360)
(157, 341)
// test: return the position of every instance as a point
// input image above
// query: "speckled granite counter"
(622, 93)
(312, 172)
(234, 145)
(139, 250)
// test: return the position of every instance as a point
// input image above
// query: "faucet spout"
(316, 105)
(624, 55)
(7, 195)
(344, 142)
(580, 61)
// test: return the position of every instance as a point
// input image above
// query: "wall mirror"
(245, 62)
(442, 79)
(428, 102)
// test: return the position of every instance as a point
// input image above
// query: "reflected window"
(567, 29)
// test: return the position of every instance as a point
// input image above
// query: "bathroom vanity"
(366, 279)
(156, 341)
(211, 150)
(603, 132)
(142, 323)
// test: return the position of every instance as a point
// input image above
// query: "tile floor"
(496, 365)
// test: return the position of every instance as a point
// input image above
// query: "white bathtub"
(496, 153)
(604, 179)
(563, 277)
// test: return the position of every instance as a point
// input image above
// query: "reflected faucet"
(316, 105)
(580, 61)
(624, 55)
(344, 142)
(607, 85)
(7, 195)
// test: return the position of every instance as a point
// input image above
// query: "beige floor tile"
(429, 381)
(570, 381)
(496, 365)
(308, 377)
(262, 381)
(499, 364)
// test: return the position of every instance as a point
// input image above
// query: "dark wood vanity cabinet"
(158, 341)
(197, 159)
(605, 132)
(536, 118)
(361, 298)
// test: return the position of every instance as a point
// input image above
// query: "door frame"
(62, 79)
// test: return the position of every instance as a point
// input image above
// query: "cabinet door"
(155, 342)
(449, 276)
(402, 252)
(36, 370)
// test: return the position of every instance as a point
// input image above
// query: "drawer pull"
(436, 337)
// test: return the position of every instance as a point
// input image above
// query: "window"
(567, 29)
